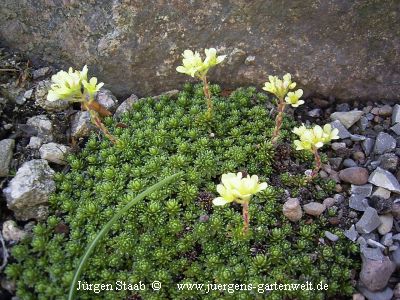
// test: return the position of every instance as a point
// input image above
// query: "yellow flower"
(314, 137)
(211, 58)
(238, 189)
(66, 85)
(330, 134)
(92, 87)
(293, 98)
(193, 64)
(279, 87)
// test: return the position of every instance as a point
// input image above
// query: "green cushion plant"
(176, 235)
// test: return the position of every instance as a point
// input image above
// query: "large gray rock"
(136, 45)
(6, 153)
(28, 192)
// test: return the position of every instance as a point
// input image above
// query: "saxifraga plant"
(239, 189)
(280, 88)
(175, 236)
(74, 86)
(311, 139)
(193, 66)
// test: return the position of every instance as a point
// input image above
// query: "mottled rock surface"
(347, 49)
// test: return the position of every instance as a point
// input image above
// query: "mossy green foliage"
(175, 235)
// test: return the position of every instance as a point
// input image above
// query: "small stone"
(330, 236)
(385, 111)
(335, 162)
(385, 294)
(338, 145)
(55, 153)
(321, 102)
(352, 214)
(41, 92)
(375, 274)
(28, 192)
(11, 232)
(396, 128)
(363, 123)
(358, 202)
(35, 142)
(396, 237)
(384, 143)
(371, 253)
(387, 239)
(6, 153)
(358, 156)
(375, 244)
(387, 224)
(249, 60)
(382, 193)
(343, 132)
(328, 202)
(351, 233)
(396, 291)
(43, 126)
(362, 242)
(315, 113)
(343, 107)
(38, 73)
(357, 137)
(354, 175)
(368, 145)
(348, 163)
(314, 208)
(396, 210)
(358, 296)
(362, 190)
(396, 114)
(347, 118)
(369, 221)
(389, 161)
(107, 99)
(126, 105)
(28, 94)
(385, 179)
(395, 256)
(169, 94)
(382, 206)
(338, 198)
(292, 209)
(204, 218)
(80, 124)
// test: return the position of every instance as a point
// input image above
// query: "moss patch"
(176, 236)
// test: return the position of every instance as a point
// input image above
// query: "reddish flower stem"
(278, 121)
(246, 217)
(207, 94)
(317, 162)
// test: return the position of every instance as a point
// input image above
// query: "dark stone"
(135, 46)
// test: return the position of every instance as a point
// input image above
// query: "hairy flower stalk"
(74, 86)
(194, 66)
(280, 88)
(311, 139)
(235, 188)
